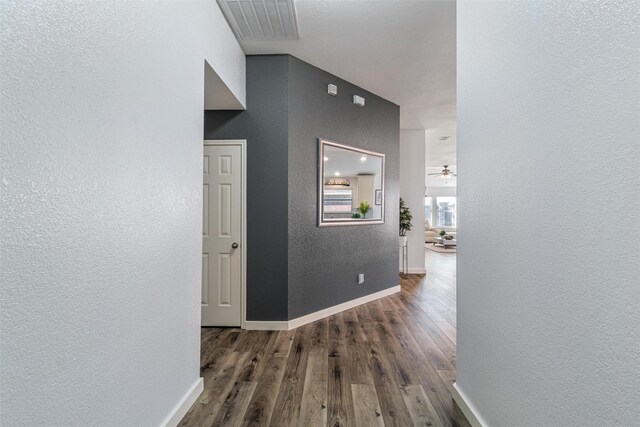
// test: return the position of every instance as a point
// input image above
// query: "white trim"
(415, 271)
(312, 317)
(344, 221)
(253, 325)
(243, 241)
(321, 314)
(243, 318)
(467, 407)
(184, 405)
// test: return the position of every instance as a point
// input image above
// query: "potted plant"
(355, 215)
(442, 233)
(364, 208)
(405, 222)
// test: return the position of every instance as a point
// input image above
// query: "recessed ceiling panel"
(261, 19)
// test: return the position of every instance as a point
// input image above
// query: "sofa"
(430, 234)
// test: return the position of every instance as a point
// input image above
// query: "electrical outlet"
(360, 279)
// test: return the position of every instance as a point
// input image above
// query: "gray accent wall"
(295, 267)
(264, 126)
(324, 262)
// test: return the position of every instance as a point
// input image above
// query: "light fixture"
(446, 172)
(337, 181)
(326, 158)
(336, 174)
(363, 159)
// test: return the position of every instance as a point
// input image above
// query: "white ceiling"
(439, 152)
(350, 163)
(402, 50)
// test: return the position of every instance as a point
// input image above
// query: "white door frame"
(243, 226)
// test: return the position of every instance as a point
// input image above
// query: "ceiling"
(440, 151)
(402, 50)
(350, 163)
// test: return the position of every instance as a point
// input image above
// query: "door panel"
(205, 279)
(224, 208)
(205, 214)
(222, 228)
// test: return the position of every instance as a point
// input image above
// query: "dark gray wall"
(324, 261)
(295, 267)
(264, 126)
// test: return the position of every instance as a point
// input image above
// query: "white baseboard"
(312, 317)
(467, 408)
(184, 405)
(252, 325)
(415, 271)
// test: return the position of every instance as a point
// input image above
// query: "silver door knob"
(234, 246)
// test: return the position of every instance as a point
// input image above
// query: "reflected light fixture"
(337, 181)
(336, 174)
(326, 158)
(363, 159)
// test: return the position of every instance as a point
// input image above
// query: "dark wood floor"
(389, 362)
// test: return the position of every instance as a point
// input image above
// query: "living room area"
(440, 219)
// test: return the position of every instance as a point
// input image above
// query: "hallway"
(388, 362)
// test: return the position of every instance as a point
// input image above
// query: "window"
(446, 212)
(337, 201)
(427, 210)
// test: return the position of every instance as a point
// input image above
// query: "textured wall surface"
(264, 126)
(293, 266)
(548, 267)
(412, 174)
(101, 214)
(221, 48)
(324, 261)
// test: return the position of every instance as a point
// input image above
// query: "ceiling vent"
(444, 138)
(261, 19)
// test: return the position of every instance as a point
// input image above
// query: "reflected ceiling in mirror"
(350, 185)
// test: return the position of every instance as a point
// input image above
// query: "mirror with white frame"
(350, 185)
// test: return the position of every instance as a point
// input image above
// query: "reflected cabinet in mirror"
(351, 185)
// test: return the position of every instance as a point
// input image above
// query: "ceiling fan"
(445, 174)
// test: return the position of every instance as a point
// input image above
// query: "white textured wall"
(101, 150)
(220, 49)
(412, 173)
(442, 191)
(548, 139)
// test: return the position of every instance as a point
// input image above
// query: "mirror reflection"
(352, 190)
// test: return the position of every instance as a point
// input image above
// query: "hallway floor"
(389, 362)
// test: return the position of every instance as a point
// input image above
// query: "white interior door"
(222, 240)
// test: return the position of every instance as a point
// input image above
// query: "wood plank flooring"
(390, 362)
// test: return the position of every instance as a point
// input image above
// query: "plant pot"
(403, 240)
